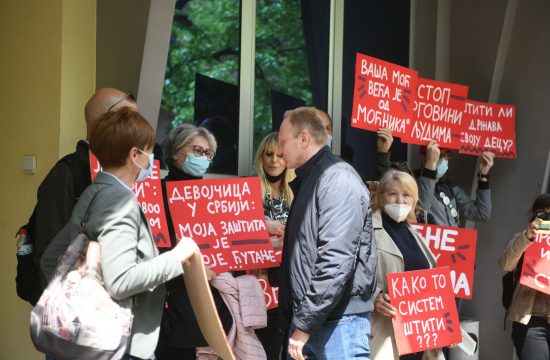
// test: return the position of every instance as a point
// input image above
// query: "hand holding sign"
(426, 310)
(486, 162)
(384, 141)
(535, 272)
(185, 248)
(383, 306)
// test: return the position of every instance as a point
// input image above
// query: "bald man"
(61, 188)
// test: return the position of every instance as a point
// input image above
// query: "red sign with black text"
(383, 96)
(438, 110)
(426, 310)
(149, 197)
(489, 127)
(455, 248)
(225, 217)
(535, 272)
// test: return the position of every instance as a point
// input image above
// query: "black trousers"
(271, 336)
(532, 341)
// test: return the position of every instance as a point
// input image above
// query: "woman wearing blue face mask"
(133, 271)
(188, 151)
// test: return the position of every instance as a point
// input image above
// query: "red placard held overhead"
(226, 219)
(535, 271)
(489, 127)
(149, 197)
(438, 109)
(383, 96)
(426, 310)
(455, 248)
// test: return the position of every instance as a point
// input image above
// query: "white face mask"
(398, 212)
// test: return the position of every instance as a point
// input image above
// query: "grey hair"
(181, 135)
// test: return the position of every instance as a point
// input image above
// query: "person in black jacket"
(329, 255)
(188, 151)
(60, 190)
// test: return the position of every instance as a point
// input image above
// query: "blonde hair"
(271, 142)
(408, 183)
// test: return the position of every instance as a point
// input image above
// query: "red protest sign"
(383, 95)
(438, 110)
(455, 248)
(489, 127)
(149, 197)
(225, 217)
(426, 310)
(535, 271)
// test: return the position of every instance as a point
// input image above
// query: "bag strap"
(86, 216)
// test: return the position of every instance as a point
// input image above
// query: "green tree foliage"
(205, 39)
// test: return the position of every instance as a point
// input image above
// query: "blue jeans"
(344, 338)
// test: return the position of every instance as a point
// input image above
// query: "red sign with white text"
(535, 272)
(438, 110)
(149, 197)
(489, 127)
(383, 96)
(426, 310)
(455, 248)
(225, 217)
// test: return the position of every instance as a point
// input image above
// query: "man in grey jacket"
(329, 256)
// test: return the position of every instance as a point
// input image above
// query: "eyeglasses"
(200, 151)
(128, 96)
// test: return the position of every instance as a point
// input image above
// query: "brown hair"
(306, 118)
(115, 133)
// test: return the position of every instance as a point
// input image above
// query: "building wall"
(474, 40)
(47, 69)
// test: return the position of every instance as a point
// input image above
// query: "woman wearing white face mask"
(400, 248)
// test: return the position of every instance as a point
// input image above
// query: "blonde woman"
(400, 248)
(277, 197)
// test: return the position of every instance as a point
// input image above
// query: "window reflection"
(202, 74)
(291, 59)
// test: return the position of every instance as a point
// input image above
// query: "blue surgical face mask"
(441, 167)
(195, 165)
(144, 173)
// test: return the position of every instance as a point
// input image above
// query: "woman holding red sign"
(400, 248)
(527, 308)
(189, 151)
(277, 197)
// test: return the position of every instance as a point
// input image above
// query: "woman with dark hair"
(529, 309)
(277, 198)
(133, 271)
(189, 151)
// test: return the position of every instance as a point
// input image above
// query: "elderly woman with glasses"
(189, 150)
